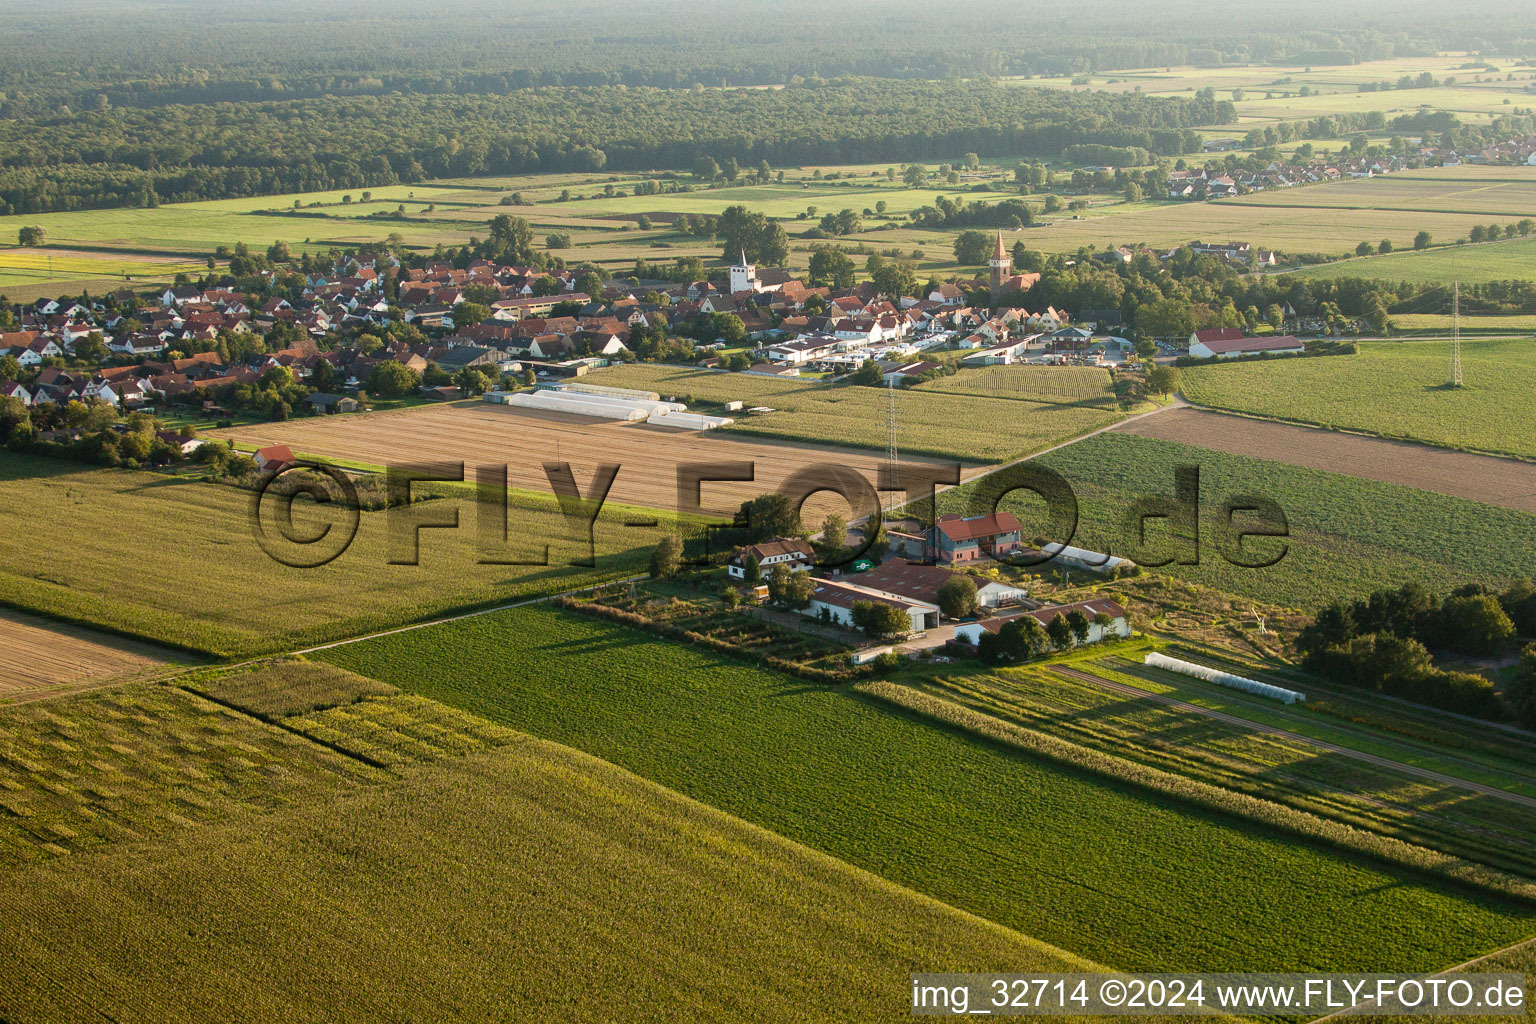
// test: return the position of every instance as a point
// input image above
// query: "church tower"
(1000, 263)
(744, 276)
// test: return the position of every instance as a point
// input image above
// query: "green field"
(1355, 792)
(1395, 389)
(474, 877)
(1127, 878)
(175, 560)
(1348, 536)
(604, 229)
(1504, 260)
(944, 421)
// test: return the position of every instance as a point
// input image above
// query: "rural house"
(795, 553)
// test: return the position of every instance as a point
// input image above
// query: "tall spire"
(744, 256)
(1000, 254)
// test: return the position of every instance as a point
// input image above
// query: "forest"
(79, 55)
(142, 156)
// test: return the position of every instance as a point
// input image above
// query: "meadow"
(1128, 878)
(948, 423)
(197, 578)
(1395, 389)
(1347, 536)
(192, 826)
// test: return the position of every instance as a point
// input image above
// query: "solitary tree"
(834, 531)
(1520, 690)
(957, 597)
(789, 588)
(1078, 623)
(666, 556)
(1421, 240)
(868, 374)
(1060, 633)
(31, 236)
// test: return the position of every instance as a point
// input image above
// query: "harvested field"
(525, 440)
(1482, 478)
(43, 658)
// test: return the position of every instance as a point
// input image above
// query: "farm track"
(1295, 737)
(1485, 478)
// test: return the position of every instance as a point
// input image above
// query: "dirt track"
(482, 433)
(1496, 481)
(38, 656)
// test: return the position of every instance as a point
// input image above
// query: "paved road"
(1333, 748)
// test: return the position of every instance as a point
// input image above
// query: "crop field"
(1285, 768)
(525, 441)
(1447, 202)
(420, 905)
(1395, 389)
(1079, 863)
(1494, 481)
(1085, 385)
(1504, 260)
(98, 770)
(1347, 536)
(1513, 196)
(1441, 323)
(38, 657)
(209, 586)
(24, 267)
(929, 422)
(1272, 91)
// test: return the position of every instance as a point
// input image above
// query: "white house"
(14, 390)
(37, 351)
(1119, 624)
(1234, 348)
(796, 554)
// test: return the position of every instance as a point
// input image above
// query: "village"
(374, 329)
(1215, 182)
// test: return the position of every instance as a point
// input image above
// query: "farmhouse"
(797, 554)
(1232, 348)
(322, 402)
(274, 459)
(954, 539)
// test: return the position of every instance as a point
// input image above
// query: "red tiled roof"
(1211, 334)
(957, 528)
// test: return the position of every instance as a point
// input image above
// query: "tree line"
(145, 156)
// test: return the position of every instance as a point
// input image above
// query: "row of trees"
(1383, 643)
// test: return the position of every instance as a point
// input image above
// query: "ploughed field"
(484, 434)
(39, 657)
(1484, 478)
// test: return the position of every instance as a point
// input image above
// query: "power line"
(1455, 381)
(890, 444)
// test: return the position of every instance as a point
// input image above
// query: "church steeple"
(1000, 263)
